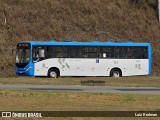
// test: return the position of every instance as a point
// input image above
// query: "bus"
(73, 58)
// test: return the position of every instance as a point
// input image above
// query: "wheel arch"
(54, 68)
(115, 68)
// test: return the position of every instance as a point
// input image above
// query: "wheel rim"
(53, 74)
(116, 74)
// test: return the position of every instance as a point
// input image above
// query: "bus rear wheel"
(53, 73)
(116, 73)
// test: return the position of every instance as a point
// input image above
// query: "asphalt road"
(78, 88)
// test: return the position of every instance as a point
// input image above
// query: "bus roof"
(92, 43)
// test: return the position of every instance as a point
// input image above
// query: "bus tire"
(116, 72)
(53, 73)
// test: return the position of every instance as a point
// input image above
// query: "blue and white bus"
(72, 58)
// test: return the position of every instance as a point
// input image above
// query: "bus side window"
(50, 52)
(58, 51)
(38, 53)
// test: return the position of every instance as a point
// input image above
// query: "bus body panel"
(92, 67)
(28, 70)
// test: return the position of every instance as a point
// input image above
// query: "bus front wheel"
(116, 73)
(53, 73)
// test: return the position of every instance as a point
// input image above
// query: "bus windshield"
(23, 53)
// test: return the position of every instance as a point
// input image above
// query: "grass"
(141, 81)
(73, 101)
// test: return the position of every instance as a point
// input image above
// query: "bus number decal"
(115, 62)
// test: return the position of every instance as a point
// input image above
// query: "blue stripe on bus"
(150, 58)
(94, 43)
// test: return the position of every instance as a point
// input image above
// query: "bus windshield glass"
(23, 53)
